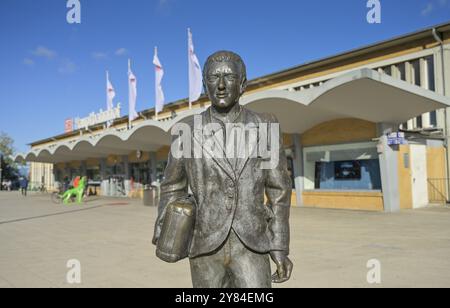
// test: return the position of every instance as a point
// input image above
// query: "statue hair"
(225, 56)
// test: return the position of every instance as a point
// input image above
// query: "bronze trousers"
(232, 265)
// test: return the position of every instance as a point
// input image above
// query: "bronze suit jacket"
(228, 197)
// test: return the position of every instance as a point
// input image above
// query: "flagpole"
(156, 109)
(107, 99)
(107, 96)
(129, 70)
(189, 63)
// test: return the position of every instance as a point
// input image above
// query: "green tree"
(10, 170)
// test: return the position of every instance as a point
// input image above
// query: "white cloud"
(97, 55)
(433, 5)
(67, 67)
(427, 10)
(44, 52)
(28, 62)
(121, 52)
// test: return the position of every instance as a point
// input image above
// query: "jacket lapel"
(218, 155)
(249, 146)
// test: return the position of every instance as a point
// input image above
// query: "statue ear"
(243, 85)
(205, 89)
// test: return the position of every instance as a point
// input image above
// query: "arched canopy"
(363, 94)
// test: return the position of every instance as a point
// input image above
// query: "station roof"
(361, 94)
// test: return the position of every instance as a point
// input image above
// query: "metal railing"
(438, 190)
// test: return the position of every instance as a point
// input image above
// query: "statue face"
(223, 84)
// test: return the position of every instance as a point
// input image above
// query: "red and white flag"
(195, 73)
(159, 73)
(132, 94)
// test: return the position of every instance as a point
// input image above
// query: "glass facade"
(348, 175)
(140, 172)
(342, 167)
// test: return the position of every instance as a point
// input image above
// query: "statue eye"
(231, 77)
(212, 78)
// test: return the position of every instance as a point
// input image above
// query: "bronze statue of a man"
(235, 233)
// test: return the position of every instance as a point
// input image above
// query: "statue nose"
(221, 85)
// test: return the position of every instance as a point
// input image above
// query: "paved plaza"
(111, 238)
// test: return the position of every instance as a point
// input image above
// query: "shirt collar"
(233, 117)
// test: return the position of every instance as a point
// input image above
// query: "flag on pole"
(132, 94)
(195, 72)
(159, 73)
(110, 93)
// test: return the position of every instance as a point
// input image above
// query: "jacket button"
(230, 193)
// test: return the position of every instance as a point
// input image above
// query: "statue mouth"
(221, 95)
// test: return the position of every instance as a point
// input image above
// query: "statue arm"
(173, 187)
(278, 191)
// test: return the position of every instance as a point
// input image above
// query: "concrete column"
(67, 170)
(388, 156)
(54, 172)
(83, 168)
(126, 167)
(442, 78)
(298, 168)
(153, 162)
(103, 168)
(410, 124)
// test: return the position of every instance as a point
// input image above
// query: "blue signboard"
(396, 138)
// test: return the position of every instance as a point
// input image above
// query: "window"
(93, 173)
(415, 65)
(140, 172)
(347, 170)
(433, 118)
(387, 70)
(160, 168)
(342, 167)
(419, 122)
(402, 71)
(430, 73)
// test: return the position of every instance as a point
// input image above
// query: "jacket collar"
(219, 154)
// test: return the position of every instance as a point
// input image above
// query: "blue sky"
(52, 70)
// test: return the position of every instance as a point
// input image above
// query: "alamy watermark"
(74, 14)
(374, 274)
(374, 14)
(73, 276)
(232, 140)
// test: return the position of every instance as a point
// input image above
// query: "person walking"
(23, 186)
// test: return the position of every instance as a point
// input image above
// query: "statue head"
(224, 79)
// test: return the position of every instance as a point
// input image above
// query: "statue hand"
(284, 266)
(156, 236)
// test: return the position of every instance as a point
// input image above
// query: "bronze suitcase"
(176, 232)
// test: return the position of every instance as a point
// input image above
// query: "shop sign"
(97, 118)
(396, 138)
